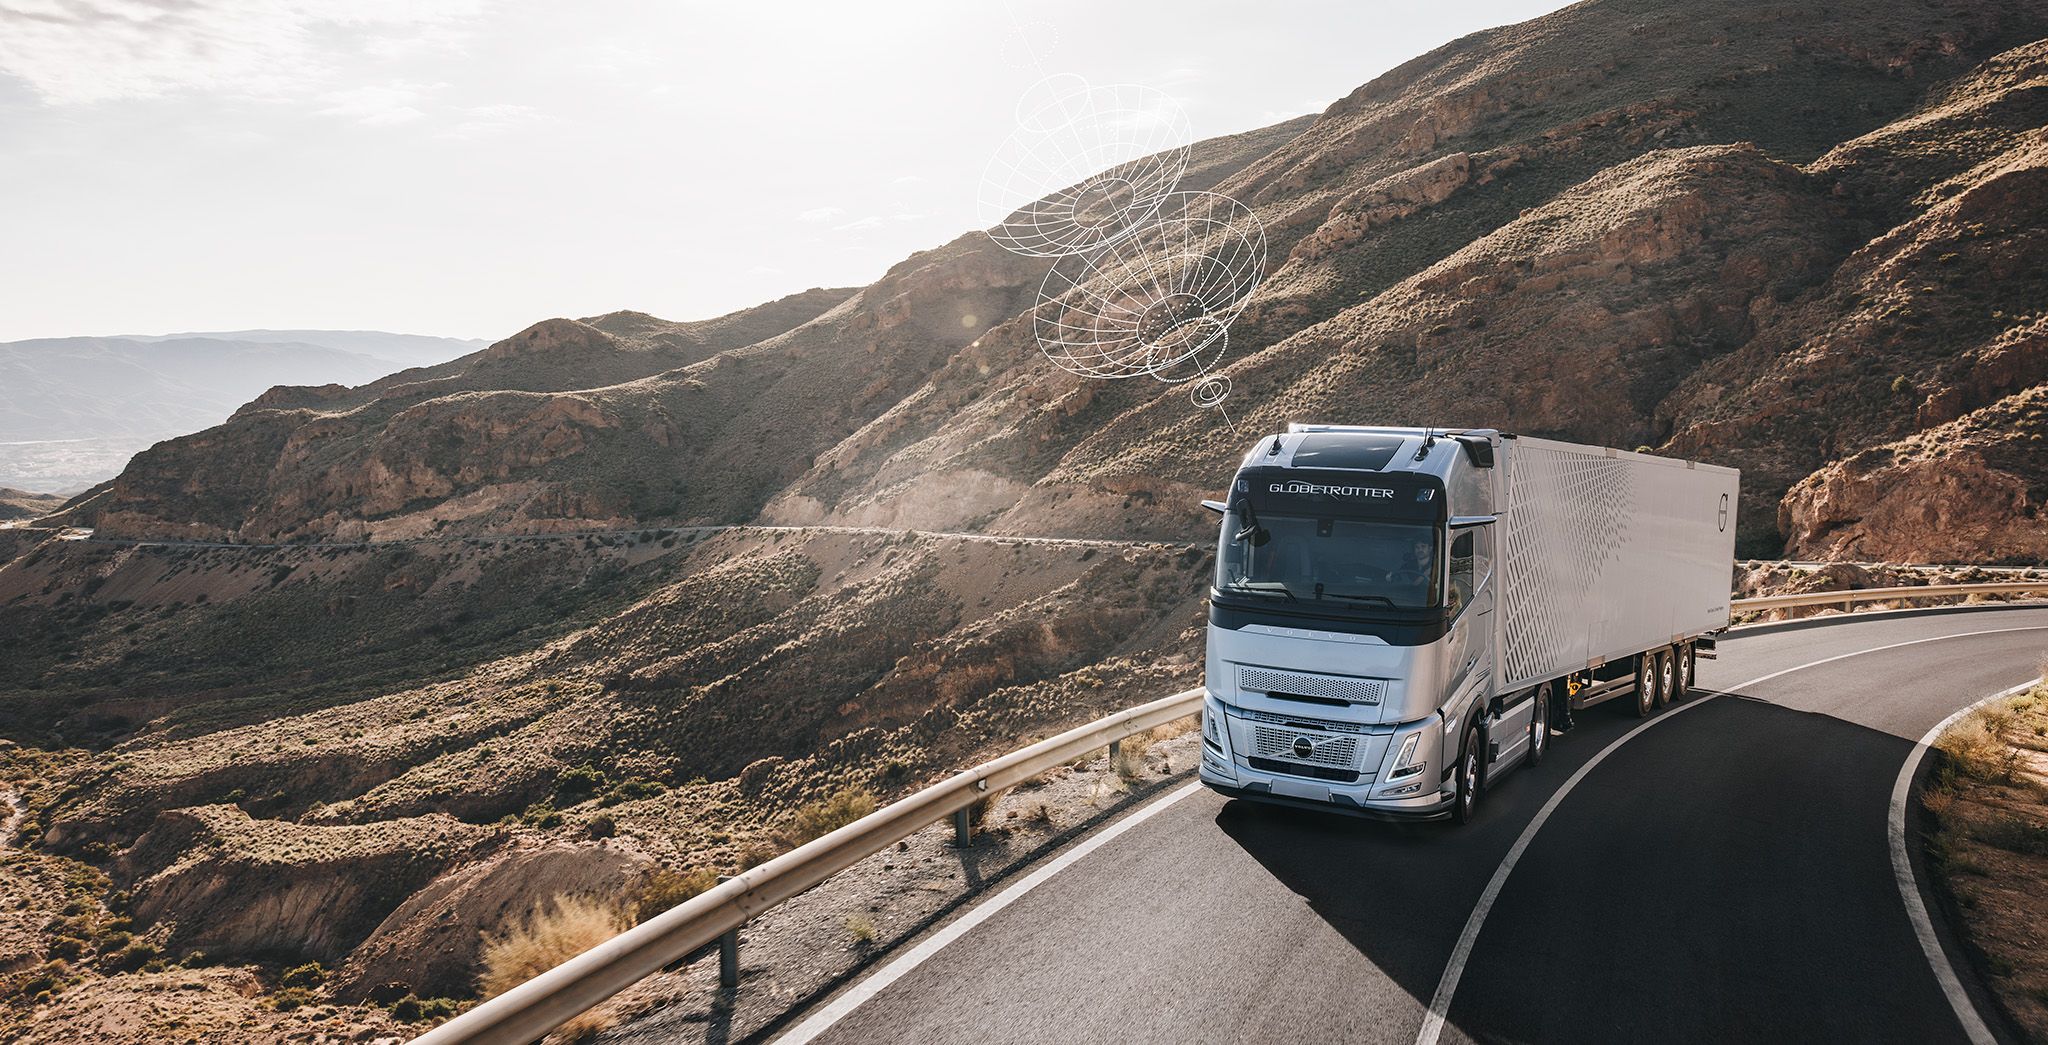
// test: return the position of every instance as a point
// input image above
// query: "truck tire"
(1471, 777)
(1667, 676)
(1646, 684)
(1688, 663)
(1539, 725)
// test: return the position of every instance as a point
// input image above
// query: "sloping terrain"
(1672, 225)
(21, 504)
(1780, 235)
(757, 671)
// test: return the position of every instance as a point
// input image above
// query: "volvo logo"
(1304, 747)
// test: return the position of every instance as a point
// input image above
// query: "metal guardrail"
(536, 1007)
(1849, 597)
(539, 1005)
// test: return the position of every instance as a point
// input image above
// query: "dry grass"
(1129, 760)
(665, 888)
(551, 934)
(1989, 799)
(978, 813)
(821, 818)
(861, 928)
(1179, 727)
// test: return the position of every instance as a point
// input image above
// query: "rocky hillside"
(1760, 234)
(21, 504)
(724, 681)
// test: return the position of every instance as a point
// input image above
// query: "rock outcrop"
(1970, 490)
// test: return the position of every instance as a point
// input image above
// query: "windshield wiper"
(1381, 599)
(1264, 588)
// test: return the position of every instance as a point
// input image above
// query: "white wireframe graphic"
(1148, 279)
(1083, 167)
(1157, 302)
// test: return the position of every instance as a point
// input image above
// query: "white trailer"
(1400, 615)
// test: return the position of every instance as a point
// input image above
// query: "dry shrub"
(861, 928)
(1179, 727)
(1938, 801)
(1972, 749)
(1129, 760)
(755, 852)
(1997, 720)
(665, 888)
(819, 819)
(552, 933)
(977, 814)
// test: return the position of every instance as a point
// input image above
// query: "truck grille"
(1267, 765)
(1331, 687)
(1300, 722)
(1339, 752)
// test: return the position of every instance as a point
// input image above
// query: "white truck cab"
(1399, 614)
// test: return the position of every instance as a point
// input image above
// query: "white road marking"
(1909, 886)
(1440, 1003)
(843, 1005)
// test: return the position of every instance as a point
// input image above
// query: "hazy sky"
(464, 167)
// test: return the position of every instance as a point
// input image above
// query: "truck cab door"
(1470, 594)
(1472, 641)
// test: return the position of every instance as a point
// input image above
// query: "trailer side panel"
(1605, 554)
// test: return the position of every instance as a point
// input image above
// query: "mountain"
(1792, 236)
(21, 504)
(77, 408)
(1539, 227)
(402, 351)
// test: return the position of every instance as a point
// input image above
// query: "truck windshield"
(1357, 562)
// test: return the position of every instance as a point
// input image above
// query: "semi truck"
(1400, 616)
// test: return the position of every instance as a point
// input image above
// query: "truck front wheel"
(1539, 725)
(1471, 777)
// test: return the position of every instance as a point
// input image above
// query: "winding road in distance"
(1723, 873)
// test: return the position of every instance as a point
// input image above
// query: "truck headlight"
(1212, 728)
(1408, 763)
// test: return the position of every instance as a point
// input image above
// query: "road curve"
(1724, 876)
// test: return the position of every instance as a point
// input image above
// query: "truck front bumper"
(1258, 787)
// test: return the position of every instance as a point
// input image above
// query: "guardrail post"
(963, 831)
(729, 959)
(1116, 748)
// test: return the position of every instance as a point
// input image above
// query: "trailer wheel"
(1471, 777)
(1539, 725)
(1688, 663)
(1667, 676)
(1646, 685)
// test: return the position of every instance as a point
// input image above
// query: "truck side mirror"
(1216, 506)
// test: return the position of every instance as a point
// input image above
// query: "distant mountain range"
(75, 409)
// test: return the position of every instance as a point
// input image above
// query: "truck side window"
(1461, 572)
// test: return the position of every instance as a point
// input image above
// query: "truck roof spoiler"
(1478, 449)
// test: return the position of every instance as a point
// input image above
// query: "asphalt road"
(1722, 876)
